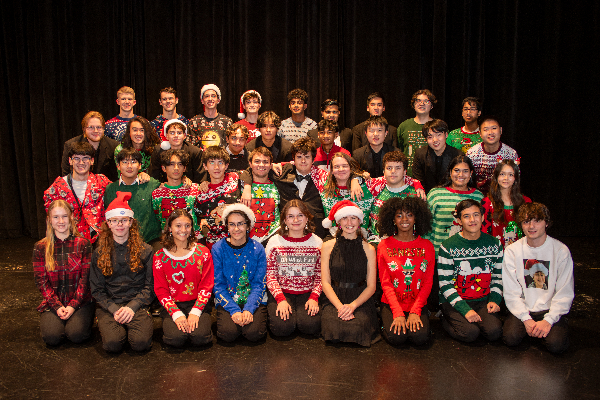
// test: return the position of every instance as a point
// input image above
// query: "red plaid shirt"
(68, 284)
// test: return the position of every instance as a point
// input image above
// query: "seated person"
(268, 124)
(375, 108)
(237, 137)
(249, 105)
(370, 156)
(298, 125)
(327, 136)
(330, 110)
(465, 137)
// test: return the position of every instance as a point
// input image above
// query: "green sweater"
(410, 138)
(140, 203)
(463, 140)
(470, 270)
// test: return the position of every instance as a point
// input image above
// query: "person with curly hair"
(61, 267)
(141, 136)
(406, 263)
(121, 280)
(183, 283)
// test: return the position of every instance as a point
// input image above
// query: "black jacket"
(359, 138)
(281, 148)
(364, 158)
(104, 159)
(194, 169)
(345, 138)
(424, 165)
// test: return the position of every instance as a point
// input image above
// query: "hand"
(346, 311)
(68, 312)
(541, 329)
(182, 324)
(356, 192)
(366, 175)
(472, 316)
(246, 198)
(529, 326)
(124, 315)
(187, 182)
(143, 177)
(248, 317)
(277, 168)
(312, 306)
(238, 318)
(421, 193)
(203, 187)
(414, 322)
(192, 321)
(61, 312)
(283, 310)
(398, 325)
(492, 307)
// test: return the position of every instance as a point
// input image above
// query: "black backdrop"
(533, 64)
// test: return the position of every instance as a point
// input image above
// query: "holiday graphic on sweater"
(463, 140)
(115, 127)
(472, 283)
(243, 289)
(536, 273)
(265, 204)
(485, 163)
(508, 231)
(167, 199)
(384, 196)
(408, 270)
(204, 132)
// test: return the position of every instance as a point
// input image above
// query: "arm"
(488, 212)
(205, 286)
(414, 183)
(496, 282)
(318, 287)
(83, 286)
(146, 294)
(325, 275)
(161, 286)
(98, 287)
(42, 278)
(386, 282)
(258, 282)
(564, 291)
(371, 276)
(427, 282)
(513, 290)
(222, 296)
(272, 269)
(446, 275)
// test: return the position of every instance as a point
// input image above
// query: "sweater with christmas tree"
(265, 204)
(294, 266)
(166, 199)
(507, 232)
(485, 163)
(186, 278)
(386, 194)
(405, 273)
(463, 140)
(470, 270)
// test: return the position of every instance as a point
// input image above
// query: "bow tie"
(300, 178)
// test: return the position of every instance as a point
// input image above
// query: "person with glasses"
(208, 129)
(410, 136)
(168, 101)
(93, 125)
(121, 280)
(139, 135)
(237, 137)
(240, 271)
(465, 137)
(82, 189)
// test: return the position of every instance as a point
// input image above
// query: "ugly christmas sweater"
(115, 127)
(166, 199)
(463, 140)
(158, 124)
(386, 194)
(485, 163)
(265, 205)
(507, 232)
(205, 132)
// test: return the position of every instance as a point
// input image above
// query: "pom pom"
(165, 145)
(326, 223)
(241, 115)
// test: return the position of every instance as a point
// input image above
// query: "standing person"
(298, 125)
(370, 156)
(183, 283)
(327, 136)
(168, 101)
(237, 137)
(538, 283)
(470, 273)
(139, 135)
(61, 268)
(406, 262)
(375, 108)
(240, 270)
(208, 129)
(115, 127)
(467, 136)
(121, 280)
(410, 132)
(294, 274)
(348, 276)
(250, 103)
(268, 124)
(330, 111)
(502, 204)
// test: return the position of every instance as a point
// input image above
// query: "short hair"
(467, 203)
(426, 92)
(90, 115)
(151, 139)
(234, 128)
(485, 118)
(262, 119)
(472, 101)
(395, 156)
(529, 211)
(215, 153)
(459, 159)
(251, 94)
(261, 150)
(127, 153)
(298, 94)
(376, 120)
(310, 225)
(82, 149)
(167, 90)
(177, 123)
(327, 124)
(329, 103)
(416, 206)
(125, 90)
(165, 157)
(436, 125)
(373, 96)
(166, 238)
(304, 145)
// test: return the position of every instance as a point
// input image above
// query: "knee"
(175, 340)
(228, 334)
(395, 339)
(280, 327)
(140, 343)
(310, 325)
(557, 345)
(112, 345)
(511, 338)
(77, 335)
(494, 333)
(470, 334)
(201, 337)
(420, 337)
(255, 331)
(52, 338)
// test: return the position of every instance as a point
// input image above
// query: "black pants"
(138, 332)
(421, 336)
(459, 328)
(230, 331)
(299, 317)
(200, 336)
(76, 329)
(557, 340)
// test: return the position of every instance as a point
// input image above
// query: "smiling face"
(81, 164)
(268, 130)
(94, 130)
(297, 106)
(260, 165)
(181, 228)
(327, 137)
(506, 178)
(423, 104)
(237, 227)
(236, 141)
(404, 221)
(129, 168)
(126, 101)
(175, 169)
(460, 176)
(168, 101)
(331, 113)
(437, 141)
(349, 225)
(120, 228)
(376, 134)
(251, 105)
(375, 106)
(490, 132)
(341, 170)
(470, 220)
(175, 136)
(295, 220)
(540, 279)
(303, 162)
(210, 100)
(535, 230)
(59, 219)
(137, 134)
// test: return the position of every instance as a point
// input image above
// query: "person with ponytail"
(61, 267)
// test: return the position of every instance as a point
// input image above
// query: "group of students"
(289, 228)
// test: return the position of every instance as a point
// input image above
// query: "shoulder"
(369, 249)
(110, 142)
(328, 245)
(359, 152)
(74, 140)
(274, 242)
(454, 132)
(251, 145)
(474, 149)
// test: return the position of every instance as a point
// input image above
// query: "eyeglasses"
(232, 225)
(294, 217)
(129, 162)
(81, 160)
(116, 222)
(95, 128)
(417, 101)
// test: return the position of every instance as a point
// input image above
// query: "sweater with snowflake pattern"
(485, 163)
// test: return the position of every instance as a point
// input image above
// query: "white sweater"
(557, 298)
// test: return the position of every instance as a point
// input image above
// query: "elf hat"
(239, 207)
(119, 206)
(344, 208)
(241, 114)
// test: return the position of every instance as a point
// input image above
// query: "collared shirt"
(301, 185)
(136, 182)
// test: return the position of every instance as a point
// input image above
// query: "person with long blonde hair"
(61, 267)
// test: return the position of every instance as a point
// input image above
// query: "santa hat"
(239, 207)
(534, 266)
(344, 208)
(165, 145)
(119, 206)
(241, 114)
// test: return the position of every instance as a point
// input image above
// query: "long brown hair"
(166, 238)
(331, 187)
(151, 139)
(49, 255)
(106, 248)
(495, 193)
(299, 204)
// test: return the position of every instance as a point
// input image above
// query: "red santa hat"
(344, 208)
(241, 114)
(119, 206)
(165, 145)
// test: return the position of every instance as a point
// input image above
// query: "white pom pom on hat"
(344, 208)
(239, 207)
(241, 114)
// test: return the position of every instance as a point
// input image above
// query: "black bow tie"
(300, 178)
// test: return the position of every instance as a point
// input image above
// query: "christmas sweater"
(507, 232)
(88, 213)
(556, 296)
(410, 138)
(240, 273)
(185, 278)
(289, 131)
(294, 266)
(470, 270)
(485, 163)
(167, 198)
(253, 132)
(204, 132)
(463, 140)
(405, 273)
(158, 124)
(115, 127)
(145, 159)
(209, 206)
(386, 194)
(442, 203)
(265, 204)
